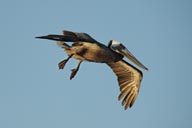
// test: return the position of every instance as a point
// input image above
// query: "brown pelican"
(85, 48)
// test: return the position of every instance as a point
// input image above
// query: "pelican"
(86, 48)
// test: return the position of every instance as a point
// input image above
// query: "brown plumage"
(85, 48)
(129, 79)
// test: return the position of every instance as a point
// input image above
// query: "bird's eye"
(122, 46)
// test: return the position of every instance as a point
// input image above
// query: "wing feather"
(69, 36)
(129, 79)
(79, 36)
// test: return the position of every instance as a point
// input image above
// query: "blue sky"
(34, 93)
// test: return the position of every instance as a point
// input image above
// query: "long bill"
(125, 52)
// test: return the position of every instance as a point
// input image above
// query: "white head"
(118, 47)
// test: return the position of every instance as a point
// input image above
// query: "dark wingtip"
(126, 107)
(51, 37)
(42, 37)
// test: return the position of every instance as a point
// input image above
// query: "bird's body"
(93, 52)
(85, 48)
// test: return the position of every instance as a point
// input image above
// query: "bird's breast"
(94, 52)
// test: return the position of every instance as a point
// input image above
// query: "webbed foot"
(61, 64)
(74, 71)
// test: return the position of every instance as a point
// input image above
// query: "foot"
(73, 73)
(61, 64)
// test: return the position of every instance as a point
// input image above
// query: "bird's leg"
(61, 64)
(74, 71)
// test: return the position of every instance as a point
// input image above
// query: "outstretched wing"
(129, 79)
(84, 37)
(70, 36)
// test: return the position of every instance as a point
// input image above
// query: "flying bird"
(86, 48)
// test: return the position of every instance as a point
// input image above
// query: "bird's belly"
(98, 55)
(93, 53)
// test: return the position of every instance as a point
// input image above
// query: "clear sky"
(35, 94)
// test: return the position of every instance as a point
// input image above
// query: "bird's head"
(121, 49)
